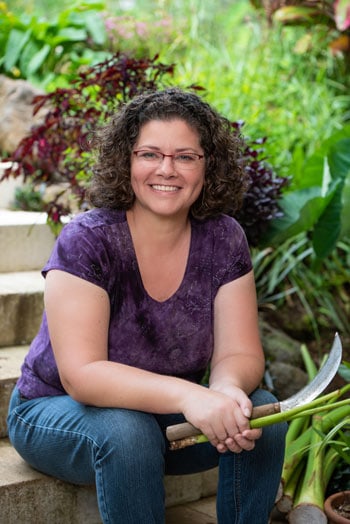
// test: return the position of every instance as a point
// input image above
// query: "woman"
(141, 294)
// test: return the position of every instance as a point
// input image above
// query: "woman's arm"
(78, 319)
(238, 358)
(238, 361)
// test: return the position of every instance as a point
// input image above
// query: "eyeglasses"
(181, 160)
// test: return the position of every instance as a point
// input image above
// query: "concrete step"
(10, 363)
(21, 306)
(25, 239)
(29, 497)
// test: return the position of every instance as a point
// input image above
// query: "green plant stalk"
(320, 466)
(285, 503)
(309, 364)
(312, 488)
(296, 450)
(297, 426)
(294, 454)
(334, 417)
(320, 409)
(315, 406)
(331, 460)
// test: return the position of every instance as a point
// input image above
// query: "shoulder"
(222, 228)
(89, 246)
(226, 241)
(97, 218)
(93, 224)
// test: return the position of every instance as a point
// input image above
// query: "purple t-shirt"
(174, 337)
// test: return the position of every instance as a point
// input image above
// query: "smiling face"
(167, 188)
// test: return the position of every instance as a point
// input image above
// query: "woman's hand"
(245, 437)
(223, 416)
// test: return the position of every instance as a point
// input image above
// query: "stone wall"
(16, 110)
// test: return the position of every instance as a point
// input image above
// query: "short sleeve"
(231, 252)
(80, 251)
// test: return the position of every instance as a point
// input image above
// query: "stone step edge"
(21, 306)
(21, 282)
(29, 496)
(26, 238)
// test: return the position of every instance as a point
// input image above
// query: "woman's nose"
(167, 167)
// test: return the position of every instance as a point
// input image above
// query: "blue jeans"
(125, 454)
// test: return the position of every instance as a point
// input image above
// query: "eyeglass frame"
(199, 157)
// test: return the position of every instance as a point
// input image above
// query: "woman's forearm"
(239, 370)
(109, 384)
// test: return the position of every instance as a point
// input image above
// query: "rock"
(16, 109)
(287, 379)
(278, 346)
(285, 375)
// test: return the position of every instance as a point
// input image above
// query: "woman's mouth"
(160, 187)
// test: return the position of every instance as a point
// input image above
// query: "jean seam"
(238, 486)
(56, 430)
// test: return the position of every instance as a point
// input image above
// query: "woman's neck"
(159, 231)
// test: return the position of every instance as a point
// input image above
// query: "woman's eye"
(186, 158)
(148, 155)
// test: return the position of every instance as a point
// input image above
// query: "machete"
(312, 390)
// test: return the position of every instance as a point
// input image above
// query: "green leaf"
(339, 158)
(38, 59)
(345, 217)
(339, 163)
(15, 43)
(327, 229)
(344, 371)
(28, 52)
(96, 27)
(301, 209)
(70, 34)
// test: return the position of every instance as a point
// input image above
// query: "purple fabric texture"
(174, 337)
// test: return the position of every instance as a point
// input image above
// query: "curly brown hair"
(225, 179)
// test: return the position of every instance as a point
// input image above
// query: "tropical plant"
(41, 50)
(315, 446)
(318, 199)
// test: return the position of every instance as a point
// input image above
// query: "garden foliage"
(55, 150)
(41, 50)
(49, 51)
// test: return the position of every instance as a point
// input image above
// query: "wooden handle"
(180, 431)
(266, 409)
(185, 430)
